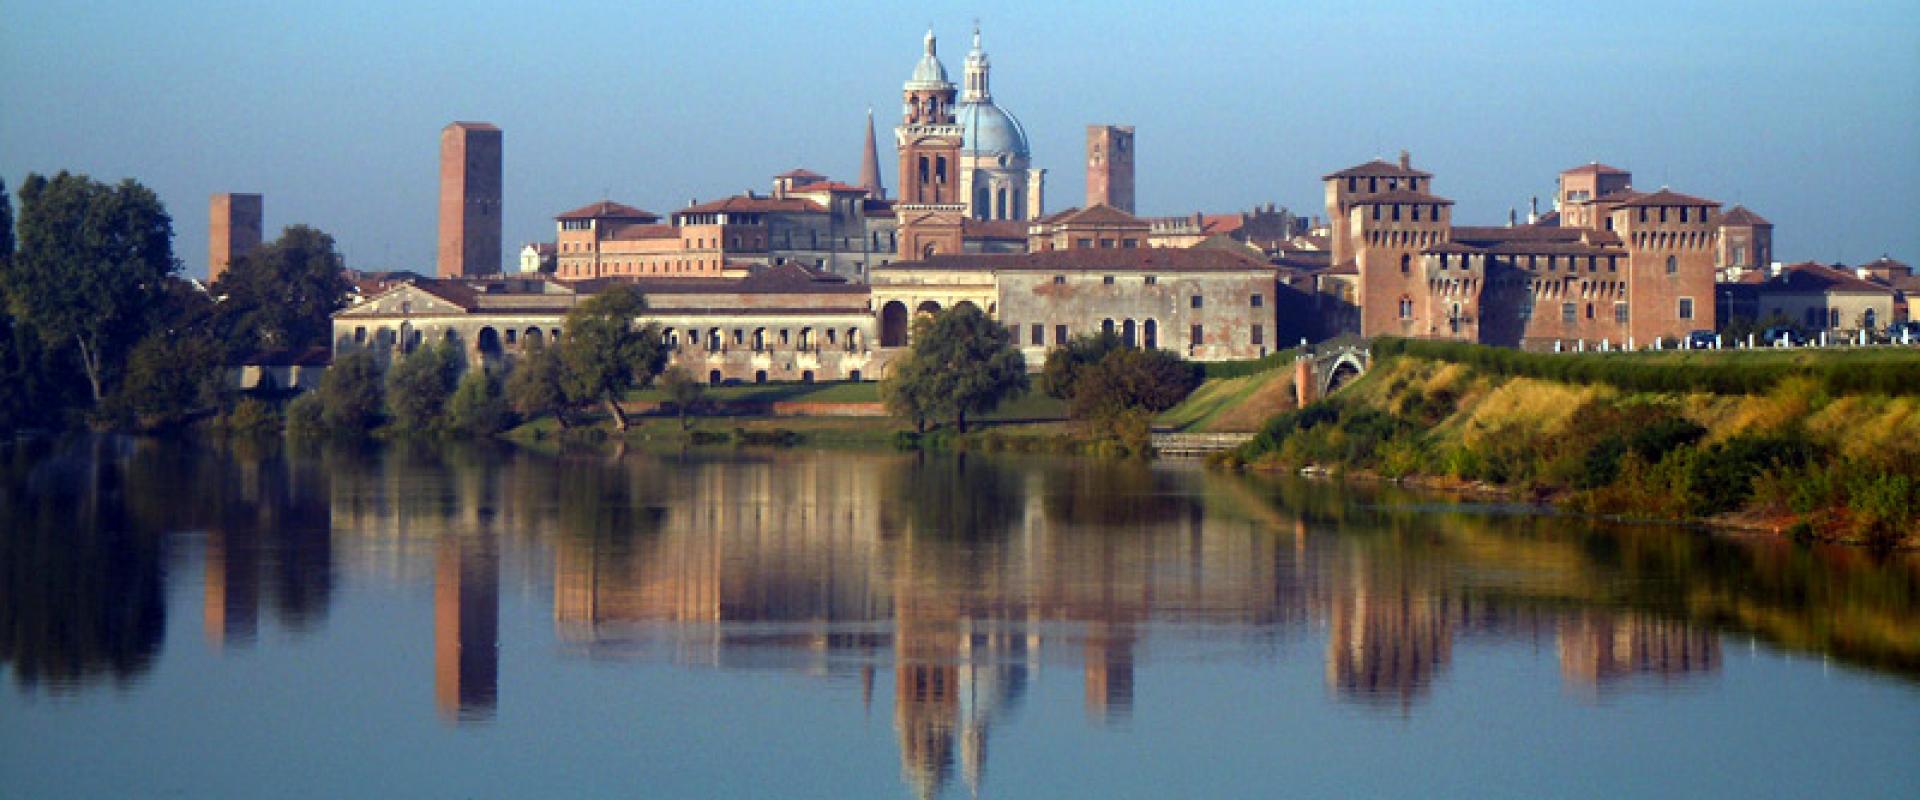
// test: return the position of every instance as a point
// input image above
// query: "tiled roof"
(1221, 223)
(1342, 268)
(800, 173)
(637, 231)
(1664, 197)
(1595, 168)
(1098, 215)
(1740, 215)
(993, 229)
(1143, 259)
(607, 209)
(1812, 277)
(828, 186)
(1398, 196)
(1886, 264)
(1377, 169)
(759, 204)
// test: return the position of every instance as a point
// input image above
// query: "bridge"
(1321, 370)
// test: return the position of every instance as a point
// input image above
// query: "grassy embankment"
(1820, 444)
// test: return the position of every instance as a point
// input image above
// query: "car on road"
(1781, 336)
(1702, 340)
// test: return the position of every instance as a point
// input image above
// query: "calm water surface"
(188, 621)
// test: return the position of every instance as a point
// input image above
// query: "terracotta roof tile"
(1377, 169)
(638, 231)
(1407, 196)
(1097, 215)
(1665, 197)
(743, 203)
(1812, 277)
(607, 209)
(993, 229)
(800, 172)
(1595, 168)
(1740, 215)
(1144, 259)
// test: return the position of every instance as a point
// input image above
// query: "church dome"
(929, 74)
(989, 130)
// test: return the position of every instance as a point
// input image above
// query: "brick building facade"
(470, 187)
(234, 227)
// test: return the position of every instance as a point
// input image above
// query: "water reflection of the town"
(956, 578)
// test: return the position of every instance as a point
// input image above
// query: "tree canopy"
(1063, 364)
(605, 354)
(961, 363)
(92, 261)
(282, 296)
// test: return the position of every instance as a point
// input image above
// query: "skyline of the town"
(247, 107)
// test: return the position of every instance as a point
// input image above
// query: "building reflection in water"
(230, 603)
(1602, 651)
(466, 628)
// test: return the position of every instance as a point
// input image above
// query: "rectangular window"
(1060, 335)
(1106, 244)
(1129, 244)
(1059, 280)
(1619, 312)
(1196, 336)
(1083, 243)
(1152, 279)
(1039, 335)
(1258, 335)
(1569, 312)
(1107, 279)
(1257, 300)
(1686, 308)
(1196, 301)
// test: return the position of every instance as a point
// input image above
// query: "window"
(1258, 300)
(1059, 280)
(1196, 336)
(1258, 336)
(1106, 244)
(1107, 279)
(1833, 318)
(1129, 244)
(1083, 243)
(1152, 279)
(1406, 263)
(1060, 335)
(1569, 312)
(1673, 265)
(1396, 212)
(1416, 213)
(1663, 213)
(1589, 311)
(1196, 302)
(1443, 261)
(1619, 312)
(1039, 335)
(1686, 308)
(1406, 308)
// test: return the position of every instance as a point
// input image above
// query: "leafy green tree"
(478, 408)
(418, 386)
(537, 384)
(684, 391)
(1063, 364)
(961, 363)
(283, 294)
(170, 379)
(350, 398)
(92, 260)
(306, 415)
(1130, 379)
(605, 354)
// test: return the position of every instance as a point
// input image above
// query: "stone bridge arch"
(1318, 374)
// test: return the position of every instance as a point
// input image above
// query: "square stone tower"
(469, 199)
(233, 230)
(1110, 166)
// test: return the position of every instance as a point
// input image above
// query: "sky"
(1807, 113)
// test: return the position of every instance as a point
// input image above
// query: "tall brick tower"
(930, 206)
(233, 230)
(1110, 166)
(469, 200)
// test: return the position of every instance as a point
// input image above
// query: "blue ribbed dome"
(989, 130)
(929, 74)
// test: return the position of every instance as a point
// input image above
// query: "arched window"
(1406, 307)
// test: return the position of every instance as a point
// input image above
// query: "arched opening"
(928, 251)
(854, 376)
(759, 340)
(1127, 333)
(980, 203)
(1868, 320)
(893, 324)
(1106, 327)
(806, 376)
(759, 376)
(928, 307)
(408, 337)
(714, 342)
(1151, 334)
(488, 342)
(532, 337)
(450, 337)
(1343, 373)
(713, 377)
(853, 340)
(967, 303)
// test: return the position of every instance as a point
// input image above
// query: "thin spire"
(870, 164)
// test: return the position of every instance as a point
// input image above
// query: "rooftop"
(1141, 259)
(1377, 169)
(607, 209)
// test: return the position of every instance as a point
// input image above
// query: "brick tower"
(1110, 166)
(469, 200)
(930, 206)
(233, 230)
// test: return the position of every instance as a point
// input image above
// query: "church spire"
(976, 73)
(870, 165)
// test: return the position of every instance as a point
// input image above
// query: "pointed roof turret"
(976, 73)
(870, 164)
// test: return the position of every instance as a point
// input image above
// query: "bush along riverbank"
(1798, 457)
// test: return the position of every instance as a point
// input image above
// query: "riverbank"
(1817, 453)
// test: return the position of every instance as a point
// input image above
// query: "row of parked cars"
(1906, 333)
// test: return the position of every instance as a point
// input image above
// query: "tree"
(169, 379)
(605, 354)
(283, 295)
(1064, 363)
(537, 384)
(350, 393)
(478, 408)
(418, 387)
(961, 363)
(684, 391)
(91, 262)
(1129, 379)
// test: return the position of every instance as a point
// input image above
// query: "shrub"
(350, 396)
(418, 387)
(250, 417)
(478, 408)
(306, 416)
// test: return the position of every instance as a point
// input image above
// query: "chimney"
(1513, 216)
(1406, 161)
(1533, 212)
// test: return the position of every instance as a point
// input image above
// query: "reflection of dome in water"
(990, 130)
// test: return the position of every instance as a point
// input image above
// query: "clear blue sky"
(1809, 114)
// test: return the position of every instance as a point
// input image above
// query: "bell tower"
(930, 205)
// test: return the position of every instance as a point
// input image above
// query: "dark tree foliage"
(92, 264)
(478, 407)
(1064, 364)
(350, 399)
(169, 380)
(537, 385)
(1130, 379)
(282, 296)
(418, 386)
(685, 392)
(605, 354)
(961, 363)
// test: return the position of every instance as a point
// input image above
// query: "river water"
(187, 620)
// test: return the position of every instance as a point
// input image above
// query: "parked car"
(1779, 336)
(1904, 332)
(1702, 340)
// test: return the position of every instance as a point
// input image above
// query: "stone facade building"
(470, 187)
(233, 230)
(1814, 296)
